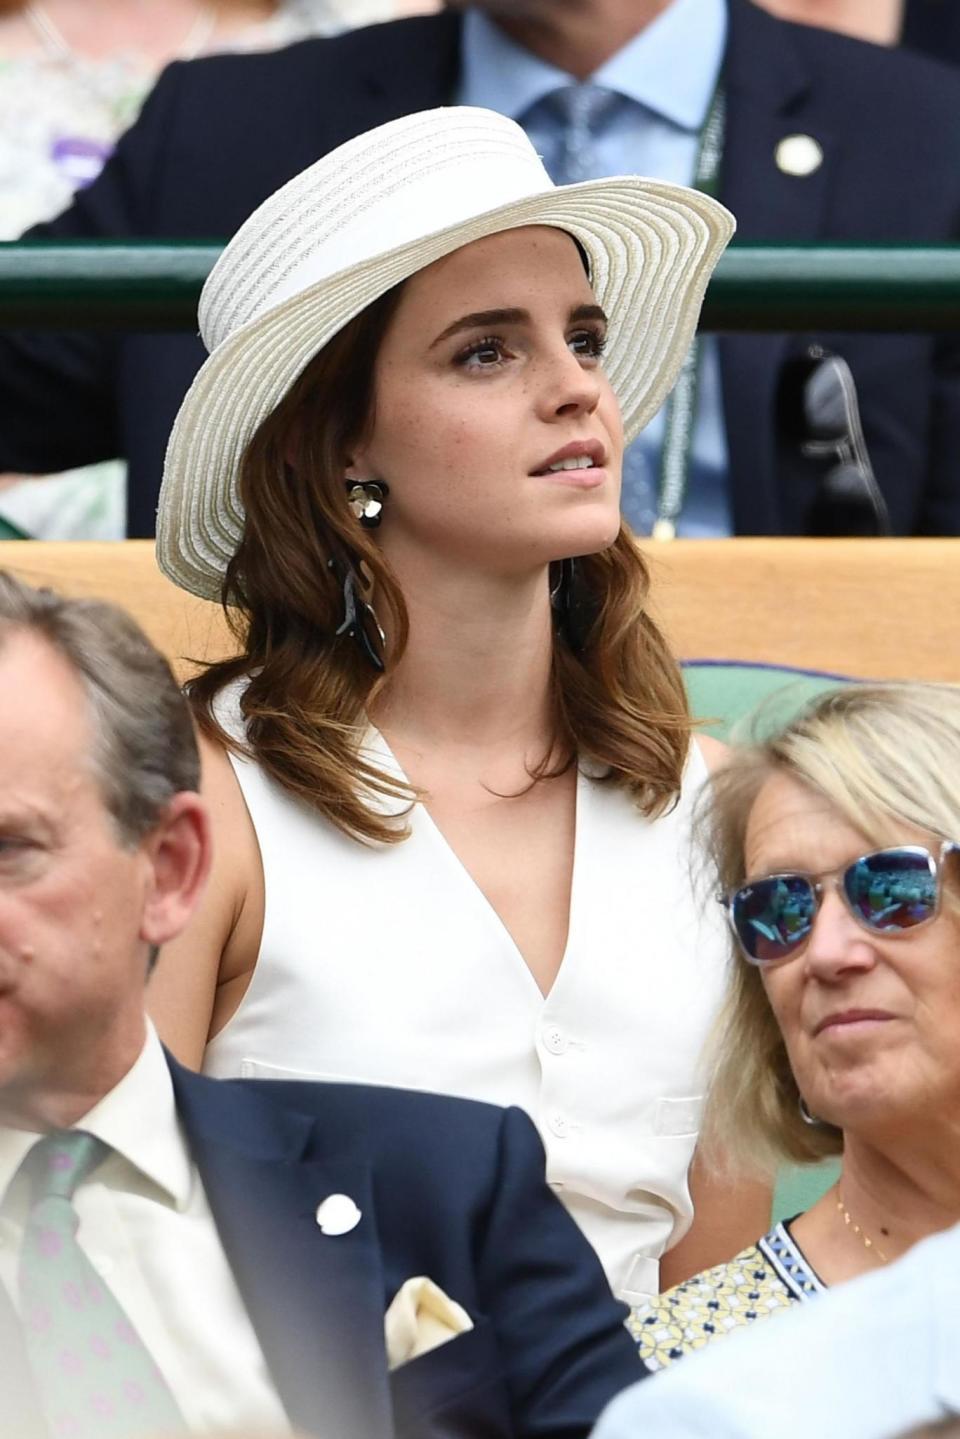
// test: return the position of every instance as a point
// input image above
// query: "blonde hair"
(620, 701)
(884, 756)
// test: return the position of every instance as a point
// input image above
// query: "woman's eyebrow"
(486, 319)
(483, 319)
(588, 312)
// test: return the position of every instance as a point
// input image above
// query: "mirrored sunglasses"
(888, 891)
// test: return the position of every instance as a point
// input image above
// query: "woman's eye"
(588, 343)
(482, 354)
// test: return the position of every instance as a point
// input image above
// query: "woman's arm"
(200, 978)
(727, 1216)
(714, 751)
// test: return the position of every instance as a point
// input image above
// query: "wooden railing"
(872, 608)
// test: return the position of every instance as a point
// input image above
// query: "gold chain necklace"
(852, 1225)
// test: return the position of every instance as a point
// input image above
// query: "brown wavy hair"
(619, 702)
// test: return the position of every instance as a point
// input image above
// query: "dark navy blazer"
(447, 1188)
(219, 134)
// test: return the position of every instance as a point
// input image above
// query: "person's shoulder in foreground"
(874, 1357)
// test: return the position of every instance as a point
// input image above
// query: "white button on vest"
(338, 1214)
(560, 1125)
(798, 155)
(555, 1040)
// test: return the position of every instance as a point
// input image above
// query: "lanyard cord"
(681, 404)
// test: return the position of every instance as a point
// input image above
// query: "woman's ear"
(357, 469)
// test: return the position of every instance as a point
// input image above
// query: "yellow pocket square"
(421, 1318)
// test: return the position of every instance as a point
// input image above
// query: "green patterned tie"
(94, 1375)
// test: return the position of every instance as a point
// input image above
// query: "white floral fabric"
(60, 117)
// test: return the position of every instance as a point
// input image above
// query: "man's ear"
(178, 851)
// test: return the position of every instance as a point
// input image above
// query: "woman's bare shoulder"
(218, 949)
(714, 751)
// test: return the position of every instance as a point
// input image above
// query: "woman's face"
(489, 378)
(871, 1021)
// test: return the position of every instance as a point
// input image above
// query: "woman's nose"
(569, 386)
(837, 942)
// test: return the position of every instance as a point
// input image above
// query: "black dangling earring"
(573, 605)
(365, 498)
(359, 616)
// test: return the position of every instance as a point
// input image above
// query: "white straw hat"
(367, 216)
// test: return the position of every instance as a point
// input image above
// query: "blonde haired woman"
(837, 845)
(453, 823)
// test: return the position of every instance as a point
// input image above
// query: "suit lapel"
(315, 1300)
(771, 96)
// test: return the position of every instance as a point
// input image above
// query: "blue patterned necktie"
(582, 110)
(94, 1376)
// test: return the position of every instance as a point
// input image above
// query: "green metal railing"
(150, 286)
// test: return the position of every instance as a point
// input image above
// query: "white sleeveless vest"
(387, 965)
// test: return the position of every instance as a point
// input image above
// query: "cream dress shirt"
(146, 1227)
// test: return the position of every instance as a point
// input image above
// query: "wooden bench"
(872, 608)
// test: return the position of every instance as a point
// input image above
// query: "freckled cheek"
(465, 453)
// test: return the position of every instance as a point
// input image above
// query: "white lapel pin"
(799, 155)
(338, 1214)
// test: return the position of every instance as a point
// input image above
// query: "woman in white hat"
(452, 766)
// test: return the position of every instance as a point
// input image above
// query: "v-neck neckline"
(377, 742)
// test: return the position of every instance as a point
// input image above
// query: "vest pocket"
(675, 1117)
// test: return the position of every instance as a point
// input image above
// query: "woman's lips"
(587, 479)
(847, 1019)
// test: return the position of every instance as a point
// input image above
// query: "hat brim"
(652, 247)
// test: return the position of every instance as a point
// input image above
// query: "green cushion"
(744, 702)
(801, 1185)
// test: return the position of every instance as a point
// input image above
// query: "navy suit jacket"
(219, 134)
(447, 1188)
(934, 27)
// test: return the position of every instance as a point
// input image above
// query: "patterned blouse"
(769, 1276)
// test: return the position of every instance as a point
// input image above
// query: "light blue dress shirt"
(873, 1358)
(664, 80)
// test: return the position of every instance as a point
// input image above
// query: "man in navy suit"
(356, 1263)
(827, 139)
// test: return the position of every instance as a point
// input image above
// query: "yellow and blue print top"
(769, 1276)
